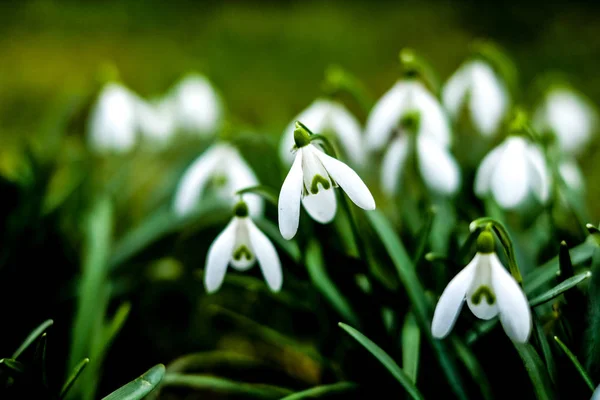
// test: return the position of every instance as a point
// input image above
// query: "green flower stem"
(261, 190)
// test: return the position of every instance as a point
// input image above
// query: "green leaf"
(318, 275)
(473, 366)
(424, 236)
(322, 391)
(564, 262)
(538, 375)
(546, 351)
(221, 385)
(416, 294)
(480, 329)
(13, 365)
(139, 387)
(40, 358)
(411, 343)
(272, 231)
(32, 337)
(384, 359)
(559, 289)
(73, 377)
(576, 363)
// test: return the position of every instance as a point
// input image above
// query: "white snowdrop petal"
(348, 132)
(515, 314)
(242, 256)
(385, 115)
(393, 164)
(198, 106)
(438, 168)
(321, 206)
(268, 260)
(219, 255)
(455, 91)
(481, 298)
(348, 180)
(241, 176)
(488, 99)
(571, 174)
(571, 119)
(483, 178)
(539, 174)
(451, 301)
(312, 117)
(191, 185)
(289, 199)
(433, 120)
(510, 179)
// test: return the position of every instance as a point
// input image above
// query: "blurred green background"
(268, 60)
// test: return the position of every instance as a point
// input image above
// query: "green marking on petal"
(242, 251)
(483, 291)
(314, 186)
(219, 180)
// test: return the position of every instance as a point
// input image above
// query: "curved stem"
(264, 191)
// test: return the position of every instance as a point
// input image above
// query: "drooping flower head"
(568, 116)
(476, 87)
(113, 123)
(198, 108)
(311, 181)
(222, 168)
(512, 172)
(489, 290)
(241, 244)
(327, 116)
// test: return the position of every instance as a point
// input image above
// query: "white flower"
(512, 171)
(489, 290)
(198, 108)
(241, 244)
(596, 394)
(476, 83)
(435, 163)
(156, 120)
(569, 116)
(324, 116)
(229, 173)
(571, 174)
(406, 97)
(112, 126)
(311, 180)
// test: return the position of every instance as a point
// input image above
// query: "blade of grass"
(139, 387)
(318, 275)
(384, 359)
(221, 385)
(416, 294)
(538, 375)
(32, 337)
(560, 289)
(576, 363)
(73, 377)
(13, 365)
(411, 343)
(322, 391)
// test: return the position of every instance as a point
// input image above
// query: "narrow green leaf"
(12, 364)
(480, 329)
(576, 363)
(546, 351)
(318, 275)
(322, 391)
(473, 366)
(424, 236)
(40, 358)
(411, 343)
(559, 289)
(73, 377)
(416, 294)
(538, 375)
(32, 337)
(564, 262)
(272, 231)
(139, 387)
(221, 385)
(384, 359)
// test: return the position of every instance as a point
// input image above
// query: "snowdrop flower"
(596, 394)
(489, 290)
(324, 116)
(569, 116)
(112, 126)
(571, 174)
(476, 86)
(311, 180)
(156, 120)
(224, 166)
(511, 172)
(198, 108)
(406, 97)
(241, 244)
